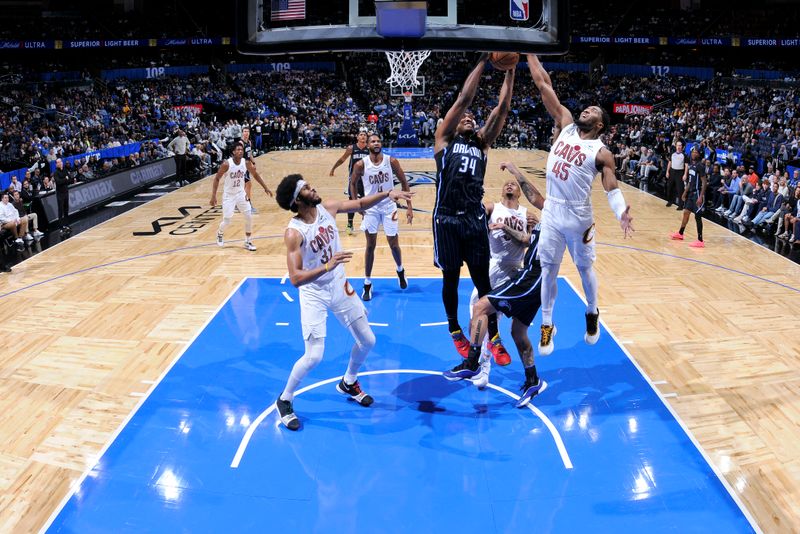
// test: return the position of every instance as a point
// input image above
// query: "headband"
(299, 187)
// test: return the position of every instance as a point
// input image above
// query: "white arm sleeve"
(617, 202)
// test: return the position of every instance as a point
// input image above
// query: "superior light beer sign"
(633, 109)
(520, 9)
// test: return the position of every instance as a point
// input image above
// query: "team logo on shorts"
(394, 215)
(503, 305)
(588, 235)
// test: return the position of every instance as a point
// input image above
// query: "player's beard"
(376, 151)
(310, 202)
(584, 126)
(510, 196)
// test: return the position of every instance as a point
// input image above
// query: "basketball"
(504, 60)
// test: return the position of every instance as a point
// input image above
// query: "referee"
(460, 229)
(676, 176)
(180, 146)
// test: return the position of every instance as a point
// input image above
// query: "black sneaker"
(367, 293)
(287, 415)
(354, 392)
(401, 275)
(592, 331)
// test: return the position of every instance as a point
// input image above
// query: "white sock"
(368, 280)
(400, 269)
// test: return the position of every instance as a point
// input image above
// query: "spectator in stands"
(32, 219)
(714, 183)
(792, 210)
(771, 206)
(47, 186)
(15, 184)
(10, 220)
(737, 202)
(647, 166)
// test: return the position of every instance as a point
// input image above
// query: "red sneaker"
(461, 343)
(499, 352)
(697, 244)
(676, 236)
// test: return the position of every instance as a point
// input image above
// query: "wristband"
(616, 202)
(326, 267)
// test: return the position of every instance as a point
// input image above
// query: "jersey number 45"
(561, 170)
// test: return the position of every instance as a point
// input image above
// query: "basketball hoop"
(404, 66)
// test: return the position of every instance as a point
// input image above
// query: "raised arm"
(251, 168)
(222, 170)
(528, 189)
(347, 152)
(294, 260)
(544, 84)
(497, 118)
(361, 204)
(605, 163)
(446, 131)
(401, 177)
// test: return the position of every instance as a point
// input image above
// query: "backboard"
(295, 26)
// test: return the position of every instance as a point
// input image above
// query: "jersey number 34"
(467, 163)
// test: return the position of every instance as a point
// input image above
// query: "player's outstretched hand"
(331, 173)
(508, 166)
(396, 194)
(531, 219)
(410, 216)
(268, 191)
(626, 222)
(339, 258)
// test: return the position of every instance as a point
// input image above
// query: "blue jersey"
(460, 170)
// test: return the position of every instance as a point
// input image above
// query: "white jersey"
(320, 243)
(571, 167)
(378, 178)
(504, 249)
(234, 178)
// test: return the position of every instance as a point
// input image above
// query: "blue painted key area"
(427, 456)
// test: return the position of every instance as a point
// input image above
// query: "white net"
(404, 67)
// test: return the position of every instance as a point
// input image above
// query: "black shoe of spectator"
(5, 269)
(669, 204)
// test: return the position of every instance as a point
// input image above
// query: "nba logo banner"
(519, 9)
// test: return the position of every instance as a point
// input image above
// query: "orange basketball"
(504, 60)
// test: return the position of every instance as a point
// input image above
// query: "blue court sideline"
(428, 456)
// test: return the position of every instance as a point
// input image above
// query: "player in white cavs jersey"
(376, 173)
(505, 260)
(576, 157)
(315, 259)
(233, 172)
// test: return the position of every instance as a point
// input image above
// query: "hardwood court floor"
(93, 322)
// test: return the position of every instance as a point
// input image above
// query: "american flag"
(288, 10)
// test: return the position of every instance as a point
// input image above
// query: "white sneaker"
(220, 242)
(737, 220)
(37, 234)
(18, 241)
(28, 238)
(482, 378)
(546, 345)
(249, 246)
